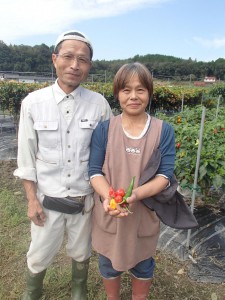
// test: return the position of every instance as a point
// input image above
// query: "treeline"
(22, 58)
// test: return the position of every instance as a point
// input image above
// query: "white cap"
(74, 35)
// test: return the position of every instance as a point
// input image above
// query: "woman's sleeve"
(98, 148)
(168, 151)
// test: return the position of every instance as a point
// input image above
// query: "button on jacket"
(54, 139)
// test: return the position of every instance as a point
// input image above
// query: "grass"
(171, 279)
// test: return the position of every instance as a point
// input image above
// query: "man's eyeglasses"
(81, 60)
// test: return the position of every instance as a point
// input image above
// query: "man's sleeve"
(27, 145)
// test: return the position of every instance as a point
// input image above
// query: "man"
(56, 125)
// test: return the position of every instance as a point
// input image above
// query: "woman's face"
(134, 97)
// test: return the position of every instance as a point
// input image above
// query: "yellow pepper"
(178, 119)
(197, 142)
(182, 154)
(112, 203)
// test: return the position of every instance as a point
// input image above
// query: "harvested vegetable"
(120, 196)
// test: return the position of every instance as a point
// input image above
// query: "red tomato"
(111, 192)
(120, 192)
(118, 198)
(178, 145)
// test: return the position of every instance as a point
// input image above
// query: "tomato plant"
(212, 159)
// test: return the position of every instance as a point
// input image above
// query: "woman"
(121, 149)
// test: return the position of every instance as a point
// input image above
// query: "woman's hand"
(133, 198)
(119, 212)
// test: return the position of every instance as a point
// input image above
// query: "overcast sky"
(120, 29)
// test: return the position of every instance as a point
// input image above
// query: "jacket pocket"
(103, 220)
(149, 224)
(87, 124)
(47, 133)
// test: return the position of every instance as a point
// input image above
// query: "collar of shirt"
(143, 132)
(60, 95)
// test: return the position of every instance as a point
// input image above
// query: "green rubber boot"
(79, 279)
(34, 286)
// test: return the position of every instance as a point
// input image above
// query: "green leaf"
(217, 181)
(202, 171)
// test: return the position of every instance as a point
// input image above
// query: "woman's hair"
(126, 72)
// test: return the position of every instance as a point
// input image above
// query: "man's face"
(72, 64)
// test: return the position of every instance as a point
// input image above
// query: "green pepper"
(128, 194)
(129, 190)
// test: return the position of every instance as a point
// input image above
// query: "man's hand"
(35, 212)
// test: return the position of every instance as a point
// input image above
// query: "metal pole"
(196, 170)
(182, 103)
(218, 105)
(202, 98)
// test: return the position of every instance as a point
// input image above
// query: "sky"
(121, 29)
